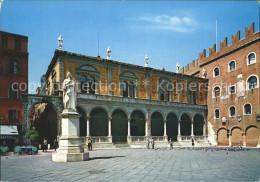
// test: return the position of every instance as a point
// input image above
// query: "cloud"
(172, 23)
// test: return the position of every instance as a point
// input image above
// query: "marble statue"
(177, 68)
(204, 73)
(69, 93)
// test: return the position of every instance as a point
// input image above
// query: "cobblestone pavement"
(137, 165)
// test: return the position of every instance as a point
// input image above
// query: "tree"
(33, 135)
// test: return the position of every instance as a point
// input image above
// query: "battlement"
(236, 42)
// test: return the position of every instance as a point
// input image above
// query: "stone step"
(121, 145)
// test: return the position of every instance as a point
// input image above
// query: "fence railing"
(159, 138)
(100, 139)
(138, 138)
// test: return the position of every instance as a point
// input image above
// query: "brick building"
(234, 98)
(13, 77)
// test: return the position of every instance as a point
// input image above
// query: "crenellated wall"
(236, 42)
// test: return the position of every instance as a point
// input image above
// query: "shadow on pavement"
(93, 158)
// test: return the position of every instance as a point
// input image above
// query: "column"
(148, 126)
(244, 139)
(179, 131)
(128, 87)
(109, 126)
(165, 133)
(88, 128)
(129, 130)
(204, 129)
(192, 129)
(229, 139)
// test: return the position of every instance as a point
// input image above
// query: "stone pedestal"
(70, 144)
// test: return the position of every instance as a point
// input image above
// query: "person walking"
(171, 144)
(192, 142)
(152, 144)
(90, 147)
(55, 144)
(148, 144)
(45, 145)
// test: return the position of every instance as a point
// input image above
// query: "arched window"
(217, 114)
(232, 111)
(252, 82)
(132, 88)
(216, 91)
(83, 84)
(92, 86)
(125, 89)
(247, 109)
(216, 72)
(251, 58)
(232, 66)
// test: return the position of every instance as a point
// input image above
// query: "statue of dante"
(69, 93)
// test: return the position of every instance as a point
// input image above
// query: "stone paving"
(137, 165)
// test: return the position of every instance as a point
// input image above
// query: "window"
(48, 87)
(132, 89)
(165, 89)
(251, 59)
(125, 89)
(12, 67)
(216, 72)
(232, 111)
(13, 90)
(232, 66)
(4, 41)
(53, 75)
(252, 82)
(17, 43)
(232, 89)
(217, 114)
(83, 84)
(216, 91)
(247, 109)
(13, 115)
(91, 83)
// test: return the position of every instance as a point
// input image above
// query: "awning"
(8, 131)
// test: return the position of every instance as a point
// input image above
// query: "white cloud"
(166, 22)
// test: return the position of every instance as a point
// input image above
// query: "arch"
(172, 126)
(82, 121)
(198, 124)
(87, 68)
(128, 75)
(137, 123)
(250, 126)
(101, 107)
(245, 110)
(44, 117)
(159, 111)
(185, 125)
(183, 113)
(232, 66)
(236, 136)
(140, 110)
(222, 137)
(235, 127)
(157, 124)
(224, 128)
(252, 134)
(98, 122)
(119, 125)
(120, 108)
(248, 59)
(247, 82)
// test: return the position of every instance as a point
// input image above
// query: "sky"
(167, 31)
